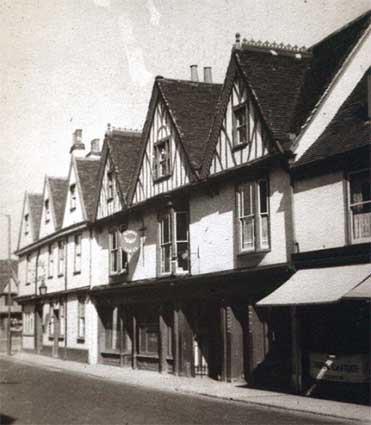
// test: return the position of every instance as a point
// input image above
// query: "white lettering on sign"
(130, 241)
(343, 368)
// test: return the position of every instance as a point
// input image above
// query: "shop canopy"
(322, 285)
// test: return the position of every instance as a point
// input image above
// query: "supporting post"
(163, 340)
(134, 346)
(296, 351)
(176, 340)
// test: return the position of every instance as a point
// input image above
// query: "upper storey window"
(26, 224)
(360, 206)
(47, 210)
(73, 197)
(240, 127)
(161, 160)
(118, 259)
(110, 186)
(253, 216)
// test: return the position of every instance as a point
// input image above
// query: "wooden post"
(134, 346)
(297, 373)
(163, 340)
(121, 333)
(224, 343)
(176, 340)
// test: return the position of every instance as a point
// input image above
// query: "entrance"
(56, 333)
(38, 327)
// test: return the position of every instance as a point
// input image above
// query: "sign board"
(344, 368)
(130, 241)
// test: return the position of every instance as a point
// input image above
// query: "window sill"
(253, 252)
(160, 179)
(51, 338)
(50, 277)
(60, 275)
(239, 146)
(76, 272)
(147, 356)
(80, 340)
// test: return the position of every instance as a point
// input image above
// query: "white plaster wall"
(56, 282)
(28, 342)
(76, 215)
(99, 257)
(320, 212)
(91, 317)
(22, 266)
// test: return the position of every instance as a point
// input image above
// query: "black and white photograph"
(185, 212)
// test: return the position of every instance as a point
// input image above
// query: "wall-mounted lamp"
(43, 288)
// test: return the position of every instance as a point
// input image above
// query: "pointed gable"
(178, 122)
(30, 220)
(35, 205)
(119, 160)
(87, 171)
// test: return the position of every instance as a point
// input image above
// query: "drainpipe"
(66, 298)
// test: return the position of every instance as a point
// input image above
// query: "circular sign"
(130, 241)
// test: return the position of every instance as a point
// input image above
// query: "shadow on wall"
(6, 420)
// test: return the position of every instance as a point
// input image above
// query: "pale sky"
(85, 63)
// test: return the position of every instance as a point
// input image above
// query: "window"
(77, 253)
(110, 186)
(28, 261)
(26, 224)
(28, 323)
(161, 159)
(148, 332)
(72, 197)
(360, 206)
(62, 315)
(60, 258)
(253, 215)
(81, 319)
(118, 261)
(174, 242)
(239, 125)
(112, 327)
(50, 260)
(9, 299)
(51, 321)
(47, 211)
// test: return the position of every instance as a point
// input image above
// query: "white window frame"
(351, 205)
(72, 196)
(177, 242)
(27, 274)
(161, 163)
(61, 257)
(256, 217)
(81, 319)
(164, 245)
(50, 260)
(238, 127)
(77, 252)
(113, 252)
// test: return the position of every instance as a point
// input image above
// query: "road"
(34, 395)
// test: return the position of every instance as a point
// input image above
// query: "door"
(38, 328)
(56, 333)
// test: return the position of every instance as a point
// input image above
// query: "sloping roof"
(348, 130)
(4, 273)
(87, 170)
(58, 189)
(35, 201)
(192, 107)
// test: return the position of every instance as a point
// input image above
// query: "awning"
(319, 286)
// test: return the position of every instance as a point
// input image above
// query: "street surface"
(34, 395)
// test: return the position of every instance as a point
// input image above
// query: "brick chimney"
(207, 74)
(194, 73)
(94, 148)
(77, 148)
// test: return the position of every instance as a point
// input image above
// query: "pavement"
(204, 386)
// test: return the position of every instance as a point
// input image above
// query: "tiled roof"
(192, 107)
(36, 205)
(87, 170)
(348, 130)
(4, 273)
(58, 189)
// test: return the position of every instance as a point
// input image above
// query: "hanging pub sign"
(130, 241)
(354, 368)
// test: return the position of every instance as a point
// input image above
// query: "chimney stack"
(77, 148)
(94, 148)
(194, 73)
(207, 74)
(237, 44)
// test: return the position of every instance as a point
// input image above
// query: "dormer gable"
(74, 209)
(54, 199)
(30, 220)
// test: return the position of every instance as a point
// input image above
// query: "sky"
(85, 63)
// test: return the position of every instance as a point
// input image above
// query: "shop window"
(72, 197)
(77, 253)
(174, 245)
(360, 206)
(161, 159)
(253, 216)
(148, 333)
(112, 329)
(28, 323)
(81, 320)
(50, 260)
(60, 258)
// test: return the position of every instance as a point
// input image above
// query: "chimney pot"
(77, 137)
(77, 148)
(94, 146)
(207, 74)
(238, 40)
(194, 73)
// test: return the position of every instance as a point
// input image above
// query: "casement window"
(161, 158)
(28, 323)
(50, 260)
(51, 321)
(60, 258)
(77, 253)
(72, 197)
(110, 186)
(62, 315)
(47, 211)
(118, 261)
(112, 328)
(360, 206)
(240, 120)
(148, 332)
(253, 216)
(28, 277)
(174, 245)
(81, 319)
(26, 224)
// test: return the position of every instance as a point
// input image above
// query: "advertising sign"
(341, 368)
(130, 241)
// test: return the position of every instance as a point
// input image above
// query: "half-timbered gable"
(54, 199)
(179, 119)
(119, 160)
(30, 220)
(82, 183)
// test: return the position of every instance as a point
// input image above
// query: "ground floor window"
(117, 324)
(148, 332)
(28, 320)
(81, 319)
